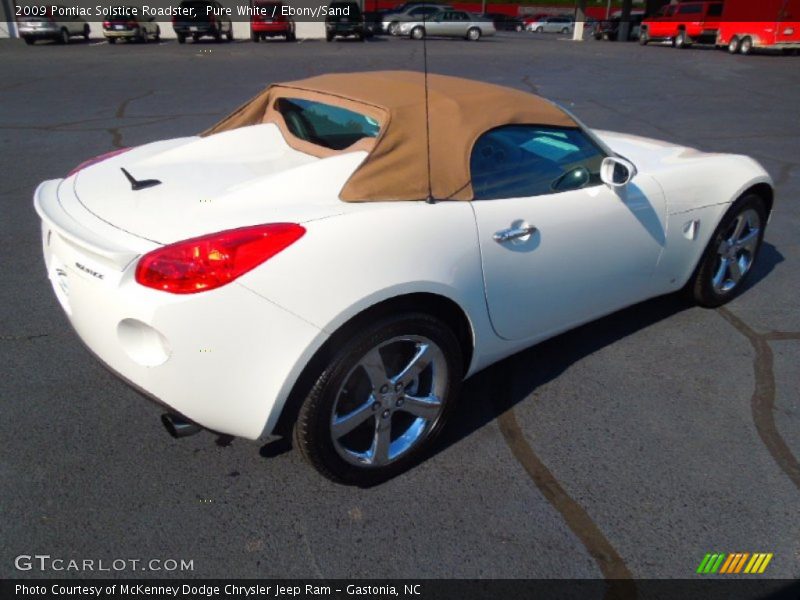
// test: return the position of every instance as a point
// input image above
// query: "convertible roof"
(396, 168)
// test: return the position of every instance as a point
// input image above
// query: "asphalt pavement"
(630, 447)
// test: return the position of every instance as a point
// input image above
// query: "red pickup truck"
(768, 24)
(683, 24)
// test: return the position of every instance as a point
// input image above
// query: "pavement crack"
(22, 338)
(762, 401)
(611, 564)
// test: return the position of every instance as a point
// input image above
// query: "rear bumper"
(271, 28)
(226, 359)
(39, 32)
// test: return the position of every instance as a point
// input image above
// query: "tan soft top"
(396, 167)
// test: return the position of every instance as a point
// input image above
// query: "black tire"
(565, 30)
(517, 28)
(29, 40)
(417, 33)
(111, 40)
(63, 37)
(195, 37)
(394, 28)
(734, 45)
(701, 285)
(473, 34)
(291, 37)
(644, 38)
(86, 32)
(254, 37)
(229, 35)
(313, 429)
(181, 38)
(141, 35)
(540, 29)
(746, 47)
(329, 37)
(682, 41)
(157, 38)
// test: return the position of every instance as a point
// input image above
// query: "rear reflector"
(211, 261)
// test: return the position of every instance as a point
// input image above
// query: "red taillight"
(106, 24)
(96, 159)
(211, 261)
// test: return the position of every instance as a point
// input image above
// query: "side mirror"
(617, 172)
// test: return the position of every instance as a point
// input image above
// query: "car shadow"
(493, 391)
(500, 387)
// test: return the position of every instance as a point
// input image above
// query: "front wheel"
(394, 28)
(733, 46)
(474, 34)
(417, 33)
(731, 253)
(381, 400)
(540, 30)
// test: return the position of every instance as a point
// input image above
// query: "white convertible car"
(316, 263)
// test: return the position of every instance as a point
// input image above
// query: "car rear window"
(325, 125)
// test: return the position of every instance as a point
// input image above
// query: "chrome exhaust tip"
(178, 426)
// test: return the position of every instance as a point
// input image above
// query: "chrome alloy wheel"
(390, 401)
(736, 252)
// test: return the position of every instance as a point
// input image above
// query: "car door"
(461, 22)
(440, 24)
(558, 246)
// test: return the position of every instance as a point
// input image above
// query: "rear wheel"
(565, 30)
(382, 399)
(328, 37)
(394, 28)
(746, 46)
(644, 38)
(29, 40)
(181, 38)
(254, 37)
(229, 35)
(733, 46)
(157, 37)
(540, 29)
(86, 32)
(517, 28)
(63, 37)
(112, 40)
(731, 253)
(418, 33)
(681, 40)
(474, 34)
(141, 35)
(291, 37)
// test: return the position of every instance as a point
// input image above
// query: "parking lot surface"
(627, 448)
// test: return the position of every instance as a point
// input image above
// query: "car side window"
(517, 161)
(715, 10)
(690, 9)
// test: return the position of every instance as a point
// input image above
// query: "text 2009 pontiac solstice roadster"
(330, 261)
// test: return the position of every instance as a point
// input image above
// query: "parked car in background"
(268, 20)
(503, 22)
(609, 30)
(563, 24)
(683, 24)
(345, 19)
(52, 26)
(450, 23)
(535, 17)
(418, 12)
(130, 28)
(767, 24)
(202, 24)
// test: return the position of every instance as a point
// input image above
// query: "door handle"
(514, 233)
